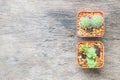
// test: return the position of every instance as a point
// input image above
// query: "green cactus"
(84, 22)
(96, 21)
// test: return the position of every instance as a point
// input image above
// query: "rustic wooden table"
(38, 40)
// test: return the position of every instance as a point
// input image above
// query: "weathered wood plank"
(38, 40)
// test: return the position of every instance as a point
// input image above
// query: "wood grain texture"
(38, 40)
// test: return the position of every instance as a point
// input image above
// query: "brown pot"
(96, 32)
(81, 60)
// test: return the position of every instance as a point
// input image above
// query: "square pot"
(93, 32)
(82, 57)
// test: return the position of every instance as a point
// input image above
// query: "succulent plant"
(90, 55)
(96, 21)
(84, 22)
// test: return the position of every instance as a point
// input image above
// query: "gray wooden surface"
(38, 40)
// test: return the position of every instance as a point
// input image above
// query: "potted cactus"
(90, 24)
(90, 54)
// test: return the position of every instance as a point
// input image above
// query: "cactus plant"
(96, 21)
(84, 22)
(90, 24)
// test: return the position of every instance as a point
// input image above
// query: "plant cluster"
(95, 21)
(90, 55)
